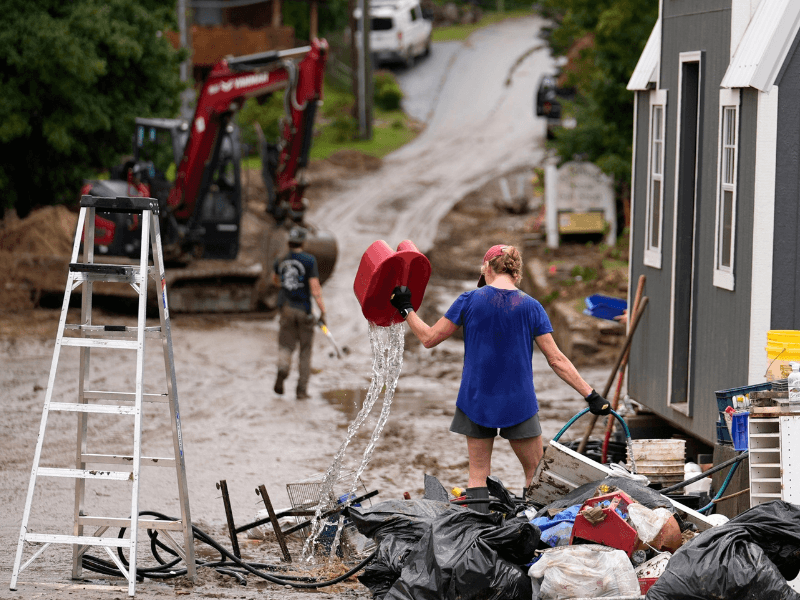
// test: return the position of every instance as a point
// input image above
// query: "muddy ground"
(234, 427)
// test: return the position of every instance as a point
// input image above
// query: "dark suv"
(548, 104)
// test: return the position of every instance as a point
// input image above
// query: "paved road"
(476, 100)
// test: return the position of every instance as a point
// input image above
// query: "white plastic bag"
(648, 523)
(259, 533)
(584, 571)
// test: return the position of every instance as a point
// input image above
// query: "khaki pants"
(297, 327)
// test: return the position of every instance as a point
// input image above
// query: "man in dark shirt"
(298, 277)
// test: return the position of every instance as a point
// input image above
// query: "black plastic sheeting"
(397, 526)
(750, 557)
(642, 494)
(461, 553)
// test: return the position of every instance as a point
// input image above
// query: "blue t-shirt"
(499, 331)
(294, 270)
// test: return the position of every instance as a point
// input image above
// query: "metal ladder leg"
(83, 377)
(172, 390)
(48, 395)
(137, 431)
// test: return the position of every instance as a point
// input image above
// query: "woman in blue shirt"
(501, 324)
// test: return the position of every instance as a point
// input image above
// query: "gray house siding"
(786, 245)
(721, 319)
(647, 375)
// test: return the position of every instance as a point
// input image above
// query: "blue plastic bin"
(739, 424)
(604, 307)
(725, 399)
(723, 436)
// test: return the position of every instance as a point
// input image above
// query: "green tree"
(74, 76)
(603, 107)
(332, 17)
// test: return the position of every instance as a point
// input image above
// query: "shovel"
(329, 335)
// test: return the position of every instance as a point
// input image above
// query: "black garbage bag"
(406, 519)
(379, 575)
(465, 555)
(749, 557)
(397, 526)
(641, 493)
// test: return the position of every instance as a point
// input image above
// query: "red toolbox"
(613, 531)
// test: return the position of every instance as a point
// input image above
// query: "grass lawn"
(462, 32)
(390, 131)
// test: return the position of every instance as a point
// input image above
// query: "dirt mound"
(355, 160)
(49, 230)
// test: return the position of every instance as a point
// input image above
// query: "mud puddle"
(349, 401)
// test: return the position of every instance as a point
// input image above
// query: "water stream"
(387, 345)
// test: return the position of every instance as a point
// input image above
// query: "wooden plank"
(771, 411)
(768, 394)
(560, 471)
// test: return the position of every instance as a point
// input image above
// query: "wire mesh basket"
(306, 495)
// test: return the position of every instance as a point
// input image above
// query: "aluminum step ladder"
(87, 336)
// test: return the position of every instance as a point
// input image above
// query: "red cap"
(493, 252)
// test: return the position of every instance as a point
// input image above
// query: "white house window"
(725, 236)
(655, 180)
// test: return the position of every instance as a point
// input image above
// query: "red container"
(381, 270)
(613, 531)
(645, 583)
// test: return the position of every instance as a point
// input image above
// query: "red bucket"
(381, 270)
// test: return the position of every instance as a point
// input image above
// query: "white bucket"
(665, 452)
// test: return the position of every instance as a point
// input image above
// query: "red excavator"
(193, 169)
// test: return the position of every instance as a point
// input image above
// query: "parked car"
(400, 32)
(548, 102)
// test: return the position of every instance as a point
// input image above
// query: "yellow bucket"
(783, 348)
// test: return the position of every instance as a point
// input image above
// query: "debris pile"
(611, 538)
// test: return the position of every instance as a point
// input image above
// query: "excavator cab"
(213, 229)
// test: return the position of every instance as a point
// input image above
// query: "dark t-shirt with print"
(295, 269)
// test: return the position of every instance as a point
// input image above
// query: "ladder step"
(81, 540)
(120, 204)
(129, 274)
(93, 408)
(101, 343)
(101, 269)
(119, 522)
(121, 331)
(85, 474)
(123, 396)
(119, 459)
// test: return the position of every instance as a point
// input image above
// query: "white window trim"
(652, 256)
(723, 276)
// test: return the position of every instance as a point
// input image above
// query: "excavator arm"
(230, 83)
(193, 169)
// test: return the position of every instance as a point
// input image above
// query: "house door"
(686, 216)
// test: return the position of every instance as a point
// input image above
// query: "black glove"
(597, 404)
(401, 300)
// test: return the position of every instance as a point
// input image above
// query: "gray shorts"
(464, 425)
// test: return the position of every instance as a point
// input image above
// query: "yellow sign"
(581, 222)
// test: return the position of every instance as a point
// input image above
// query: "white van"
(400, 32)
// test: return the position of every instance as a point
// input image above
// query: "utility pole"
(187, 95)
(364, 69)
